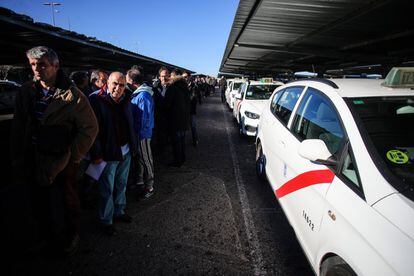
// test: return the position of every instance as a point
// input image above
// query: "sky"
(188, 33)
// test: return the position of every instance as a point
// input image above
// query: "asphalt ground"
(211, 216)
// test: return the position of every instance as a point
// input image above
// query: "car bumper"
(250, 126)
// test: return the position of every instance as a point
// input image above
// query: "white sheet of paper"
(95, 170)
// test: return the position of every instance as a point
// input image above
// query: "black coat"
(106, 145)
(177, 105)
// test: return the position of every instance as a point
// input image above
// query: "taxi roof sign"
(400, 77)
(266, 80)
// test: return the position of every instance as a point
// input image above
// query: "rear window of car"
(286, 102)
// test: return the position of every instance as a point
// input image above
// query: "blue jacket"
(143, 111)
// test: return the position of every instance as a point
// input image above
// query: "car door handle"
(282, 144)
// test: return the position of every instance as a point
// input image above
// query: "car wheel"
(336, 266)
(260, 163)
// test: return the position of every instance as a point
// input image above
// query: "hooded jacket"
(143, 111)
(69, 112)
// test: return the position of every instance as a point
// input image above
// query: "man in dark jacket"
(222, 88)
(53, 128)
(192, 87)
(112, 149)
(177, 108)
(160, 125)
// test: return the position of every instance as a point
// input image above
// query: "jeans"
(112, 187)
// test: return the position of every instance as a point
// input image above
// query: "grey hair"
(43, 51)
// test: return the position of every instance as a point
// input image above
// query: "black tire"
(336, 266)
(260, 163)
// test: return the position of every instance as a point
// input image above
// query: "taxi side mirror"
(316, 151)
(238, 96)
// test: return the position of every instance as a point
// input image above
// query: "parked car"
(8, 91)
(232, 91)
(249, 103)
(340, 159)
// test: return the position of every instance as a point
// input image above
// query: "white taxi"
(249, 103)
(339, 156)
(232, 90)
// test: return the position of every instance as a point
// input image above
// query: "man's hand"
(97, 161)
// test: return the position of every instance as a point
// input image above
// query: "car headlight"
(252, 115)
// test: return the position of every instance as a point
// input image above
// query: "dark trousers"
(199, 96)
(57, 207)
(223, 96)
(178, 144)
(194, 133)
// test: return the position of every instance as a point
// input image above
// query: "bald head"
(116, 85)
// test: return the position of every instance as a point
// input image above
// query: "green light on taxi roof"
(358, 102)
(400, 77)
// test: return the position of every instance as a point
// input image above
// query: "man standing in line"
(177, 108)
(53, 128)
(222, 88)
(143, 113)
(161, 131)
(114, 144)
(192, 87)
(98, 79)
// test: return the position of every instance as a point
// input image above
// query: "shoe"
(195, 143)
(147, 194)
(110, 230)
(72, 247)
(125, 218)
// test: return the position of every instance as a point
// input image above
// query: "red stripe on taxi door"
(305, 180)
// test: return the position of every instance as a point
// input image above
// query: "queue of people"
(63, 127)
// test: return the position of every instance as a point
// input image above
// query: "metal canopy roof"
(270, 36)
(19, 33)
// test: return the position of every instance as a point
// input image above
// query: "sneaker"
(148, 193)
(110, 230)
(125, 218)
(73, 246)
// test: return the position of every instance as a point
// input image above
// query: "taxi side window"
(316, 118)
(349, 170)
(276, 97)
(286, 102)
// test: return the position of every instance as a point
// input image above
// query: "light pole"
(52, 7)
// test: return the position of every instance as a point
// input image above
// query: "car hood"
(399, 210)
(255, 106)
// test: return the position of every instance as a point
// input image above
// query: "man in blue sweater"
(143, 113)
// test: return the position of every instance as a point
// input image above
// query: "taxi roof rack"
(324, 81)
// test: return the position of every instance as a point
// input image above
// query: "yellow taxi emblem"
(397, 156)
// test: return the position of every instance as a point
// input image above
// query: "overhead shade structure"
(271, 36)
(19, 33)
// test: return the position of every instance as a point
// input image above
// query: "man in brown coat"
(53, 128)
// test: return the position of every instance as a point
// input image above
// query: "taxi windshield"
(260, 92)
(387, 122)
